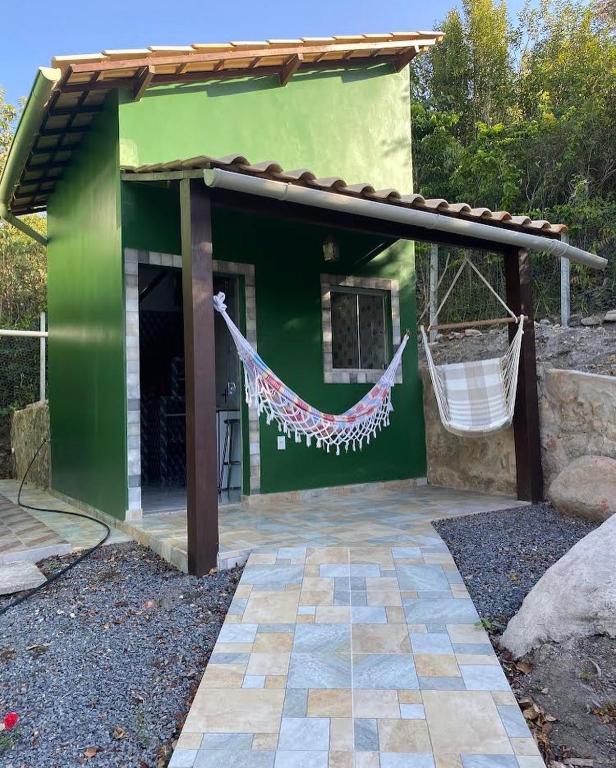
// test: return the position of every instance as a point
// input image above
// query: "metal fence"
(559, 288)
(23, 366)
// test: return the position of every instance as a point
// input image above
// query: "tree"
(23, 262)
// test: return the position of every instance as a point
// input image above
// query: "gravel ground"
(501, 555)
(567, 690)
(102, 666)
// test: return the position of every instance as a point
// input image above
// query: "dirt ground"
(590, 349)
(568, 694)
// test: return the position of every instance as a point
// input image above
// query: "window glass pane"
(372, 330)
(345, 343)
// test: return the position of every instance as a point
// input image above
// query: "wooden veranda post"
(518, 282)
(199, 355)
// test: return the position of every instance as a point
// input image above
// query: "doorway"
(162, 391)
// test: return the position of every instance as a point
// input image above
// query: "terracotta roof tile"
(304, 177)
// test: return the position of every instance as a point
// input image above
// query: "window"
(359, 329)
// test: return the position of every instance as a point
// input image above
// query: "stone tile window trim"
(329, 283)
(132, 259)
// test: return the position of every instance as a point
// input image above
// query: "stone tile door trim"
(132, 259)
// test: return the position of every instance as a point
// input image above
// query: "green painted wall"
(288, 263)
(354, 123)
(86, 324)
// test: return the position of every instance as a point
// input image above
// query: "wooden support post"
(565, 288)
(433, 287)
(518, 282)
(199, 356)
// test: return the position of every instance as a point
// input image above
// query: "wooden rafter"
(290, 68)
(144, 79)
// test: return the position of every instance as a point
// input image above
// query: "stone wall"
(468, 463)
(578, 418)
(29, 427)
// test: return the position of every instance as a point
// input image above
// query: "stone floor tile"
(467, 633)
(254, 681)
(530, 762)
(341, 760)
(484, 678)
(431, 642)
(341, 734)
(295, 702)
(446, 610)
(188, 740)
(367, 760)
(412, 712)
(275, 681)
(385, 597)
(304, 734)
(319, 670)
(375, 703)
(237, 633)
(268, 664)
(365, 735)
(377, 638)
(441, 684)
(265, 742)
(330, 703)
(422, 578)
(277, 607)
(230, 741)
(404, 736)
(465, 722)
(436, 665)
(409, 760)
(183, 758)
(297, 759)
(447, 761)
(333, 614)
(526, 747)
(272, 642)
(489, 761)
(214, 758)
(384, 671)
(269, 576)
(368, 614)
(19, 576)
(322, 638)
(236, 711)
(513, 720)
(409, 697)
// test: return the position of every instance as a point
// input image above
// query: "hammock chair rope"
(478, 397)
(294, 416)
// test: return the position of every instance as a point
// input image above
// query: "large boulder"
(576, 597)
(587, 487)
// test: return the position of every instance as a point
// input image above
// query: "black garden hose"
(82, 556)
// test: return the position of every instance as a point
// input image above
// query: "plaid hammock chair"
(477, 397)
(294, 416)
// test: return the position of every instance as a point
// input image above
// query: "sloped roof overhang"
(267, 188)
(76, 87)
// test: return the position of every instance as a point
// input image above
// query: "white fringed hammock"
(294, 417)
(476, 398)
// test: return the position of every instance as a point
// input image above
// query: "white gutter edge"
(292, 193)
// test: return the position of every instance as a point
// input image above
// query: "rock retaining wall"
(29, 427)
(578, 418)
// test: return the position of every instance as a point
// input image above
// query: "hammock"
(271, 396)
(478, 397)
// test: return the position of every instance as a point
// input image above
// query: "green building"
(145, 389)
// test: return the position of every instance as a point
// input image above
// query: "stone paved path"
(24, 537)
(363, 656)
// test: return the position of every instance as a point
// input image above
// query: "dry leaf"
(90, 752)
(524, 667)
(118, 732)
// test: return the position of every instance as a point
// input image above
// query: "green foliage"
(523, 118)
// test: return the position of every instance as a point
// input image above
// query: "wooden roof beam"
(405, 58)
(290, 68)
(144, 78)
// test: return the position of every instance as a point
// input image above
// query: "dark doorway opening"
(163, 403)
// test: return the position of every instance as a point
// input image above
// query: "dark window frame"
(358, 291)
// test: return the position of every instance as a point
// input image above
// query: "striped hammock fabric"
(295, 417)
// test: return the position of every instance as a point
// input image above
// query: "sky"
(32, 31)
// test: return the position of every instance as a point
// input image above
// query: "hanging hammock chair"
(294, 416)
(478, 397)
